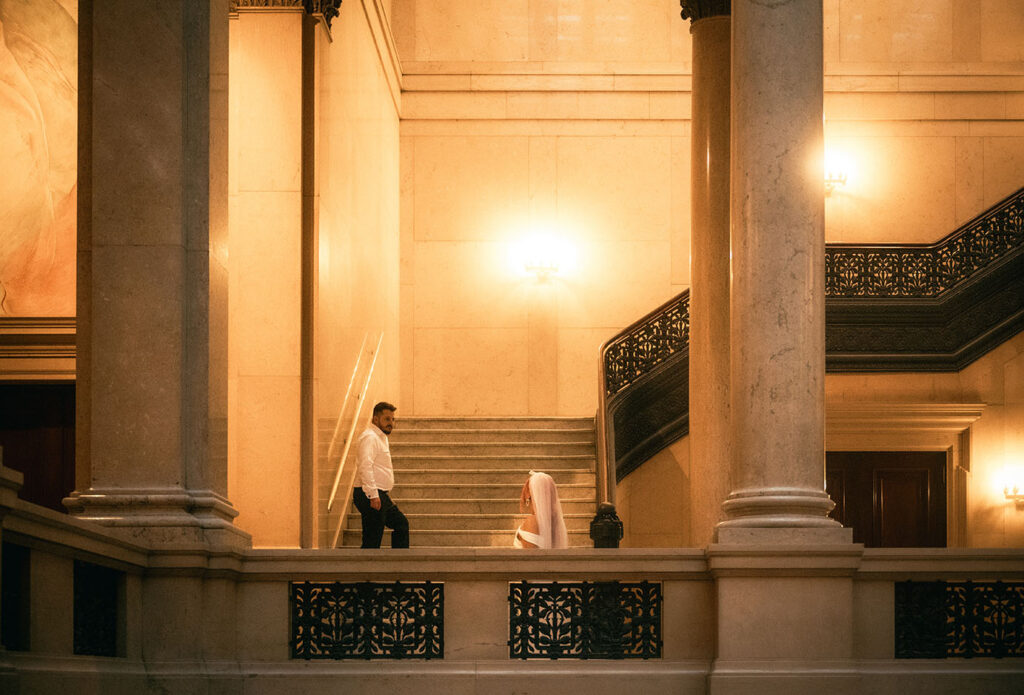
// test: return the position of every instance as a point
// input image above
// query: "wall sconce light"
(834, 179)
(1013, 493)
(837, 167)
(542, 256)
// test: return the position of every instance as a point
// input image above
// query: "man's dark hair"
(381, 407)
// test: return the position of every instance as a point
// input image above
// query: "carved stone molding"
(328, 9)
(702, 9)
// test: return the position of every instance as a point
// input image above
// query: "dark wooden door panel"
(891, 499)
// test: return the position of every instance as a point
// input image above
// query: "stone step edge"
(464, 532)
(433, 515)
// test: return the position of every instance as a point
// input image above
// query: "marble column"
(152, 271)
(778, 293)
(709, 265)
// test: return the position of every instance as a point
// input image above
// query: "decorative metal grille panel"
(914, 271)
(636, 351)
(936, 620)
(367, 620)
(921, 270)
(584, 620)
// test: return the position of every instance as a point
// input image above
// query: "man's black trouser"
(374, 520)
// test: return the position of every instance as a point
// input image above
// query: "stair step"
(583, 435)
(469, 476)
(478, 505)
(464, 539)
(573, 491)
(399, 449)
(518, 462)
(474, 522)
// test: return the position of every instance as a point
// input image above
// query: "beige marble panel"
(470, 187)
(266, 494)
(468, 285)
(922, 30)
(615, 105)
(970, 164)
(615, 30)
(614, 304)
(979, 106)
(543, 105)
(578, 354)
(966, 31)
(439, 105)
(680, 195)
(1002, 26)
(269, 100)
(457, 30)
(471, 371)
(651, 500)
(596, 198)
(266, 249)
(909, 182)
(865, 30)
(1004, 167)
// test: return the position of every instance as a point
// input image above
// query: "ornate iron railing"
(970, 283)
(936, 620)
(584, 620)
(647, 343)
(925, 270)
(367, 620)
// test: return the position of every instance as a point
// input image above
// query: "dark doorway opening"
(891, 499)
(37, 433)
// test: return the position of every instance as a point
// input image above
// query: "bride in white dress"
(545, 527)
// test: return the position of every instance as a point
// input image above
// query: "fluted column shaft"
(709, 271)
(778, 293)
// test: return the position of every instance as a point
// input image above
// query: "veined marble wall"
(38, 156)
(574, 116)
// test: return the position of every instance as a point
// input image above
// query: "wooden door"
(891, 499)
(37, 433)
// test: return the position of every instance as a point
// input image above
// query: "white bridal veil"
(548, 508)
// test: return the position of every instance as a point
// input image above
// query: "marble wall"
(38, 156)
(573, 117)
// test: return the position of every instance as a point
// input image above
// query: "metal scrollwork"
(584, 620)
(367, 620)
(936, 620)
(636, 351)
(925, 270)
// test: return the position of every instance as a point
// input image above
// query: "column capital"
(702, 9)
(328, 9)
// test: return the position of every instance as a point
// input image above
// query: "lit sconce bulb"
(542, 256)
(836, 168)
(1012, 485)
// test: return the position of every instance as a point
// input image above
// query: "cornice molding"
(694, 10)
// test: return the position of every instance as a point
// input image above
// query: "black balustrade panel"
(584, 620)
(367, 620)
(937, 620)
(925, 270)
(639, 349)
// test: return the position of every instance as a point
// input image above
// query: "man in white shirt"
(374, 479)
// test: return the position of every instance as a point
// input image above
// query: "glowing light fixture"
(1012, 487)
(836, 171)
(543, 256)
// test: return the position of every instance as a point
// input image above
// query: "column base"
(778, 507)
(162, 516)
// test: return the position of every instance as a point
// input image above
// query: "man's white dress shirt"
(373, 462)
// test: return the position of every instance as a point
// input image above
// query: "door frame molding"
(876, 426)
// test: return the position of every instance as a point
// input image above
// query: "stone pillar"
(710, 437)
(152, 271)
(783, 570)
(778, 275)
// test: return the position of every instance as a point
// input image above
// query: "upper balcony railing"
(888, 307)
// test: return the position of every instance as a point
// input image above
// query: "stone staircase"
(458, 479)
